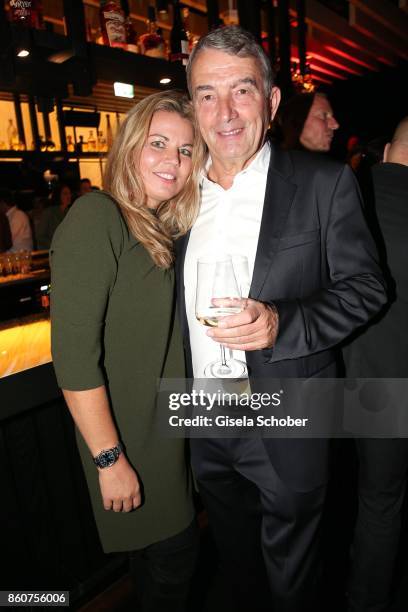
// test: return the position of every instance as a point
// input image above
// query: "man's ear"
(274, 101)
(386, 151)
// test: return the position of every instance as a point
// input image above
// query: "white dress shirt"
(20, 228)
(228, 223)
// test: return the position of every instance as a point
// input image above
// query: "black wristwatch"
(106, 458)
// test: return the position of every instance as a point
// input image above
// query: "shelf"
(52, 155)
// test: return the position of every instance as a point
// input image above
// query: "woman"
(114, 333)
(52, 216)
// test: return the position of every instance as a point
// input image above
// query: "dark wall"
(372, 105)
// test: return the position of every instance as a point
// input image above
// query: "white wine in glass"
(218, 295)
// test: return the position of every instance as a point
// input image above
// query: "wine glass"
(218, 295)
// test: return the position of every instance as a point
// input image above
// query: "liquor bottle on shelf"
(179, 44)
(50, 145)
(89, 34)
(192, 38)
(91, 142)
(79, 147)
(12, 136)
(109, 133)
(112, 23)
(131, 34)
(26, 12)
(152, 43)
(102, 146)
(84, 143)
(70, 144)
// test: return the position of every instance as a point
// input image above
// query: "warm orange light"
(331, 62)
(329, 72)
(24, 346)
(351, 58)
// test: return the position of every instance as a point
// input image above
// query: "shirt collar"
(11, 210)
(260, 163)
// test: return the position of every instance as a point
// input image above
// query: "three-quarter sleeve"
(84, 258)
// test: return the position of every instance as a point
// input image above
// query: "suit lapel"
(279, 194)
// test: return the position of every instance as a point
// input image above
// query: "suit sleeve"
(84, 256)
(354, 292)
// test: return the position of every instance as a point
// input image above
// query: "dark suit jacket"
(380, 349)
(317, 262)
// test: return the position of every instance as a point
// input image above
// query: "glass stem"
(223, 361)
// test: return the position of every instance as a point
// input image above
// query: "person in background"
(381, 351)
(5, 233)
(85, 186)
(51, 217)
(307, 122)
(21, 234)
(114, 333)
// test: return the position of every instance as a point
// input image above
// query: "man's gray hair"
(234, 40)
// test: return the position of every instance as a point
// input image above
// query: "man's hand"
(255, 328)
(120, 487)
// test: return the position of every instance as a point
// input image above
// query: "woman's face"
(65, 197)
(165, 159)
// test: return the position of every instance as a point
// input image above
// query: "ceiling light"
(23, 53)
(165, 81)
(124, 90)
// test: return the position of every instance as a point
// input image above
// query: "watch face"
(106, 459)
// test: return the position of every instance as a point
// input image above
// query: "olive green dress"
(113, 323)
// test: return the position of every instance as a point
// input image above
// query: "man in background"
(21, 234)
(307, 122)
(381, 351)
(85, 186)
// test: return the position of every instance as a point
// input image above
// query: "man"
(383, 463)
(85, 186)
(20, 228)
(314, 280)
(307, 122)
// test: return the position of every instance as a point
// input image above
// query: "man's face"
(230, 104)
(318, 130)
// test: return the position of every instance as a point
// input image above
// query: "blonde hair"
(155, 230)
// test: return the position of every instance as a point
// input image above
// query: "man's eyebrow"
(245, 81)
(203, 88)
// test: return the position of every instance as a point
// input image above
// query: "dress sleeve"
(84, 260)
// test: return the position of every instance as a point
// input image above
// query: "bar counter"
(49, 537)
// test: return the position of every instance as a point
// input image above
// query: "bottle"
(179, 45)
(89, 34)
(84, 144)
(152, 43)
(131, 34)
(49, 145)
(70, 144)
(91, 142)
(102, 146)
(26, 12)
(12, 136)
(109, 134)
(79, 147)
(112, 24)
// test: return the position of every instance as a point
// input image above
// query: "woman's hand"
(120, 487)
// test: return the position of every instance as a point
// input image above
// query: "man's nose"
(333, 123)
(226, 109)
